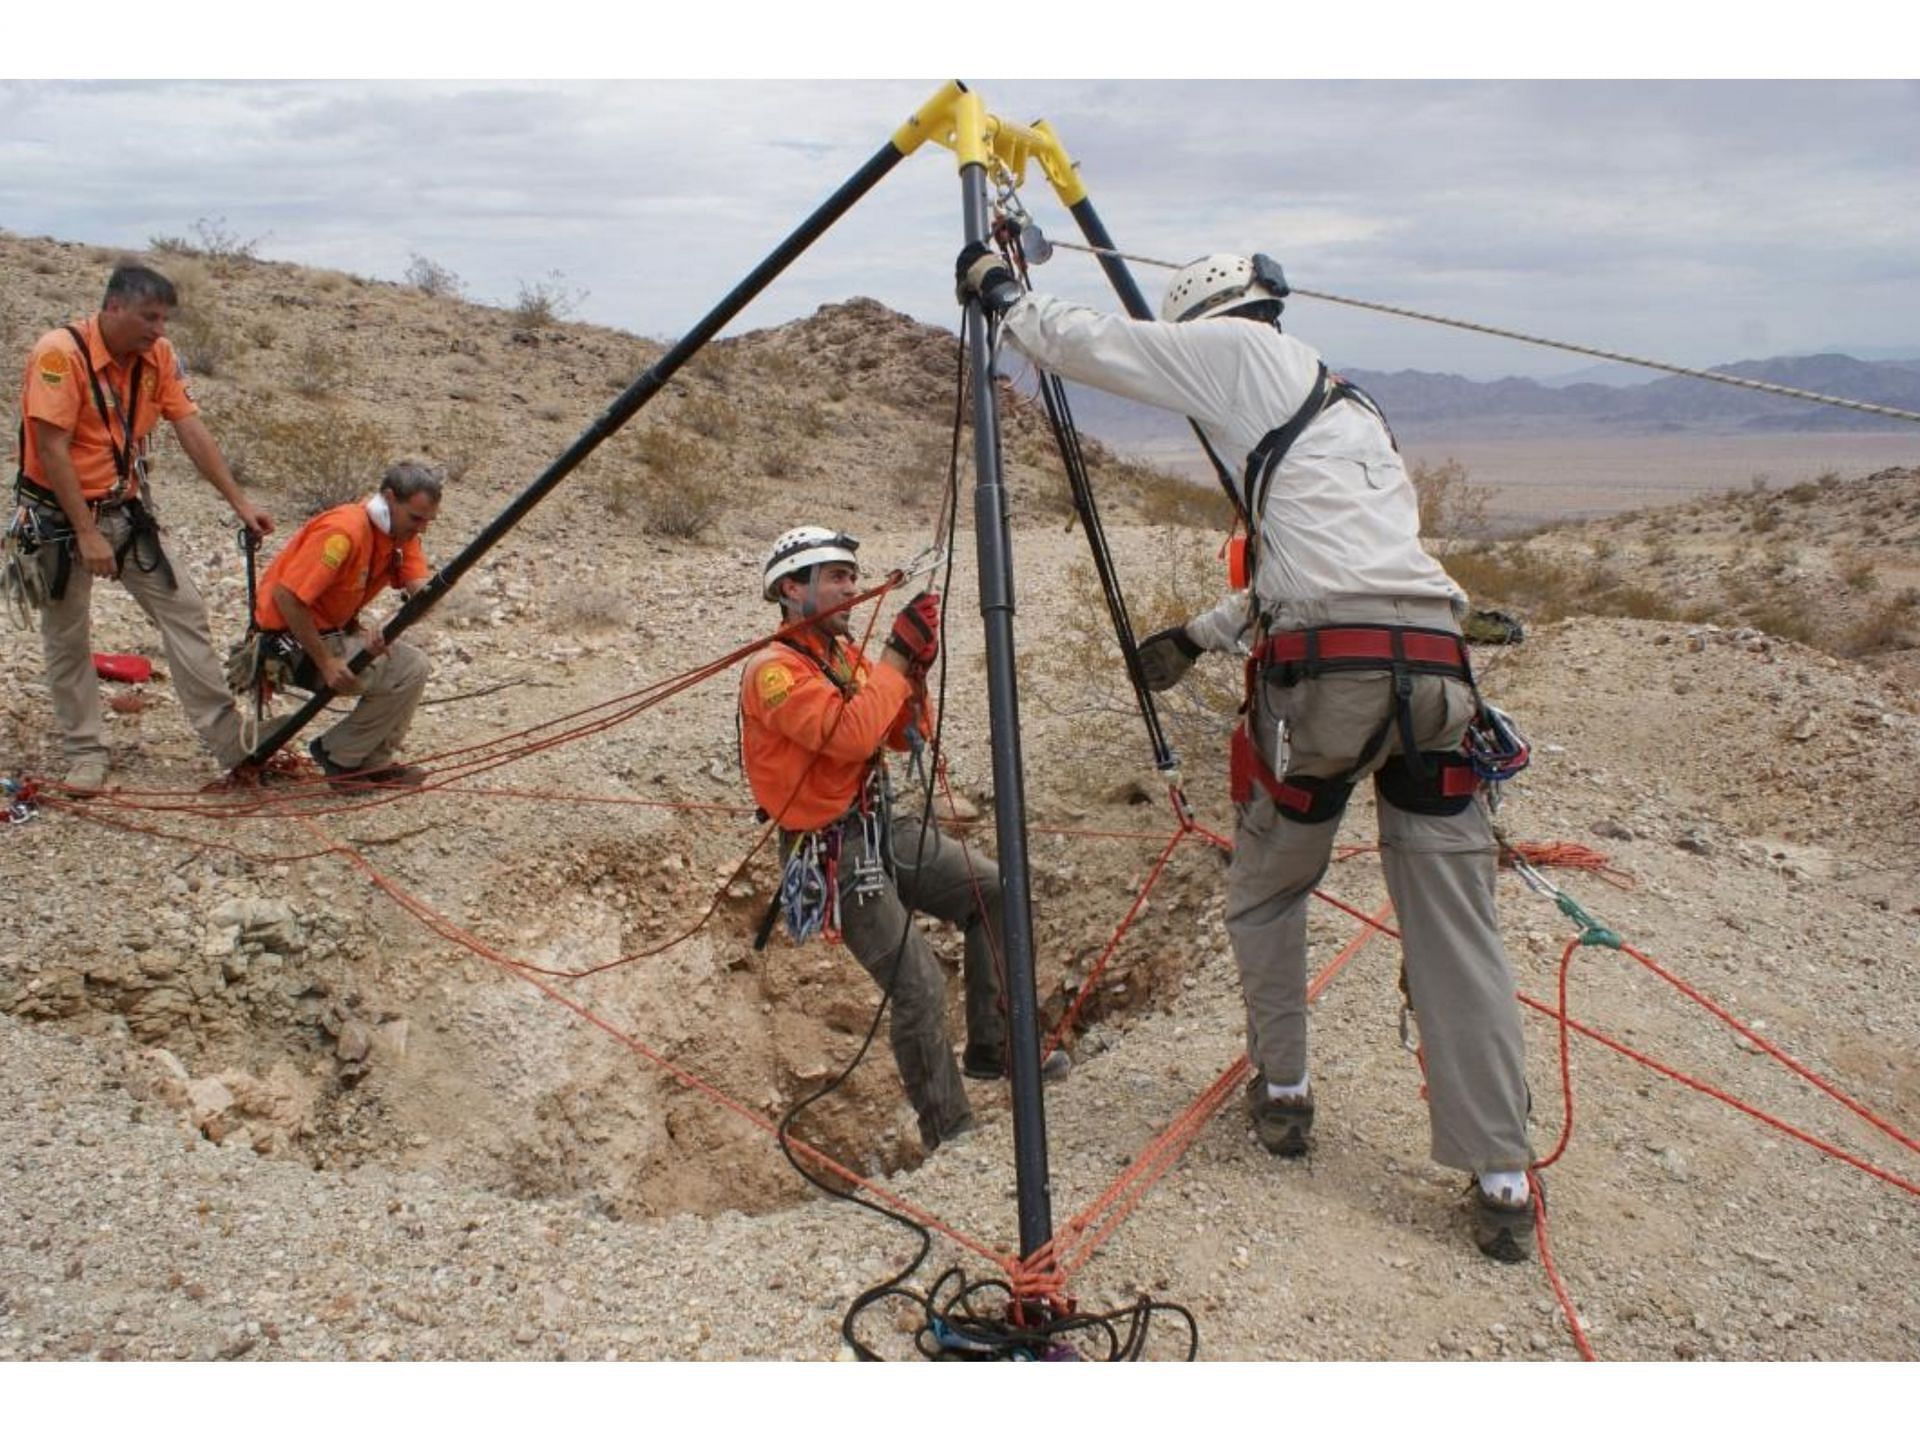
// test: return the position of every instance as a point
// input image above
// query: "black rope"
(967, 1320)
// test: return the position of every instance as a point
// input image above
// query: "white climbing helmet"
(1214, 284)
(802, 549)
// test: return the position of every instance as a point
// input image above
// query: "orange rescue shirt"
(337, 562)
(57, 391)
(806, 745)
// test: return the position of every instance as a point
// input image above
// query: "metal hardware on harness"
(870, 870)
(18, 796)
(807, 897)
(1409, 1029)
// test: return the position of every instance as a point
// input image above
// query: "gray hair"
(132, 284)
(410, 478)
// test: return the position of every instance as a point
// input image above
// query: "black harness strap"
(123, 455)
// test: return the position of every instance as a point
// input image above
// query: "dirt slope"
(260, 1110)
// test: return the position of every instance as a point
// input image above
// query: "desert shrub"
(213, 239)
(430, 277)
(199, 333)
(1764, 521)
(712, 416)
(680, 491)
(546, 302)
(1451, 505)
(318, 459)
(319, 369)
(781, 460)
(677, 509)
(263, 334)
(594, 607)
(1782, 615)
(1197, 714)
(1805, 493)
(812, 419)
(1857, 571)
(1893, 624)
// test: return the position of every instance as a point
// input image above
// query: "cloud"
(1674, 218)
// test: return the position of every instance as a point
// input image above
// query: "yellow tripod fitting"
(956, 118)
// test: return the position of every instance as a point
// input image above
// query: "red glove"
(916, 631)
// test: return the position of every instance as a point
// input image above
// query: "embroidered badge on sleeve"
(334, 553)
(775, 683)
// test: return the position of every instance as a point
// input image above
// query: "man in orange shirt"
(91, 396)
(309, 605)
(816, 720)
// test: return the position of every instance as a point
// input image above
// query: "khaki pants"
(180, 615)
(948, 880)
(1439, 872)
(388, 692)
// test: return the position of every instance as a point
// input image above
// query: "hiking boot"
(346, 777)
(982, 1062)
(1503, 1226)
(88, 774)
(406, 777)
(1284, 1126)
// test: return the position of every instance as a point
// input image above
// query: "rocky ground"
(260, 1110)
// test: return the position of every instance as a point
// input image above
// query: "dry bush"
(1158, 496)
(460, 440)
(543, 303)
(317, 459)
(781, 460)
(212, 239)
(594, 607)
(1893, 624)
(813, 419)
(319, 369)
(680, 492)
(1198, 713)
(1857, 571)
(712, 416)
(197, 328)
(923, 479)
(1451, 505)
(430, 277)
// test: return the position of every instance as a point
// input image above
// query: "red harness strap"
(1365, 647)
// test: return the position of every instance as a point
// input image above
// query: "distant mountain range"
(1426, 406)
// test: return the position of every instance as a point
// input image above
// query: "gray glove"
(1166, 656)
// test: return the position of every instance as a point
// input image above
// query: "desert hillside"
(298, 1075)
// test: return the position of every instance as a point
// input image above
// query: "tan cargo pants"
(388, 693)
(179, 614)
(1440, 875)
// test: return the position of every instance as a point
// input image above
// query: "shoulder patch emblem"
(775, 683)
(52, 365)
(334, 553)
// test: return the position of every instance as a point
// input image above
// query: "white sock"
(1287, 1092)
(1514, 1182)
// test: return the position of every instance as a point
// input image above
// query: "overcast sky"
(1693, 221)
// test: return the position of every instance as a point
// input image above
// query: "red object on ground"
(128, 669)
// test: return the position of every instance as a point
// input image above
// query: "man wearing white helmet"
(816, 721)
(1361, 671)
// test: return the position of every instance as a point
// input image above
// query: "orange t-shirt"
(805, 742)
(337, 562)
(57, 391)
